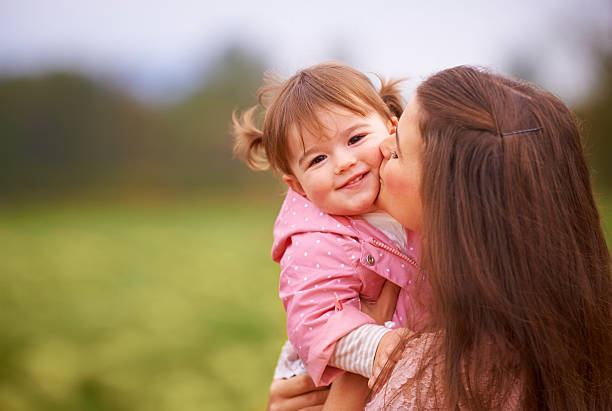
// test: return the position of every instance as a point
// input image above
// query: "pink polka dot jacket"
(327, 263)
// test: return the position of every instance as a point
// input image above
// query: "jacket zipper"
(393, 251)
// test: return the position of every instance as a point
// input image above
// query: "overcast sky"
(155, 46)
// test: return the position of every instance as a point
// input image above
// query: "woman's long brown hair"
(513, 249)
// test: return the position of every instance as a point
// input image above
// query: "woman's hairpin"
(527, 130)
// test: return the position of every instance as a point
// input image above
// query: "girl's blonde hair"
(294, 104)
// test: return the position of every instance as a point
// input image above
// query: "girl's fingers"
(387, 353)
(371, 381)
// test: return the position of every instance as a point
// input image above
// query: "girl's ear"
(293, 184)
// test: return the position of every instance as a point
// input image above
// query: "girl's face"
(338, 171)
(400, 171)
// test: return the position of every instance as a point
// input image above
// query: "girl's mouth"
(355, 181)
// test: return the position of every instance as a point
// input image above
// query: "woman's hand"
(382, 309)
(296, 393)
(348, 393)
(300, 392)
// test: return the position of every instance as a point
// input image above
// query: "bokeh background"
(135, 270)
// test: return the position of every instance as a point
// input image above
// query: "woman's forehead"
(411, 110)
(409, 117)
(408, 133)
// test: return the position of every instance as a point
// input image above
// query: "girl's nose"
(387, 147)
(344, 163)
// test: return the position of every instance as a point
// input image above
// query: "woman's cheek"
(401, 192)
(392, 181)
(391, 188)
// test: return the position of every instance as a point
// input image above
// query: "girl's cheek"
(378, 158)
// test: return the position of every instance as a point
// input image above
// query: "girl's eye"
(355, 139)
(317, 160)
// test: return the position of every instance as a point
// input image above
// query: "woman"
(492, 174)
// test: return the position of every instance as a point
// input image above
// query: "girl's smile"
(338, 170)
(354, 182)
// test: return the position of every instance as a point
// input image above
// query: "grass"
(167, 306)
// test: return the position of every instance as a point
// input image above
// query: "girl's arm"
(319, 287)
(356, 351)
(349, 391)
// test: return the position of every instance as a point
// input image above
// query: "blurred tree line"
(596, 116)
(64, 133)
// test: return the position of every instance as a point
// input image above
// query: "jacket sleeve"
(355, 352)
(318, 270)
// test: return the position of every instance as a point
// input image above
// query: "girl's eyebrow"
(306, 154)
(344, 134)
(354, 127)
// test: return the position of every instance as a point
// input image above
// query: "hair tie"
(527, 130)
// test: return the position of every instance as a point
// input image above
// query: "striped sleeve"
(355, 351)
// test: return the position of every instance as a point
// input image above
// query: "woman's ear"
(393, 125)
(293, 184)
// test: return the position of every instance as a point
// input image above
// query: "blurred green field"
(131, 307)
(168, 306)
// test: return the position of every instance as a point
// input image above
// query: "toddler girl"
(322, 129)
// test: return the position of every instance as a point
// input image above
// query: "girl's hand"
(385, 352)
(349, 391)
(296, 393)
(381, 311)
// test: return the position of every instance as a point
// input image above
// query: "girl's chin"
(354, 211)
(381, 203)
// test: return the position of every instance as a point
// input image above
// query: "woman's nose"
(387, 146)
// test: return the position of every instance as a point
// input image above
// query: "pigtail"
(248, 140)
(261, 133)
(269, 89)
(390, 93)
